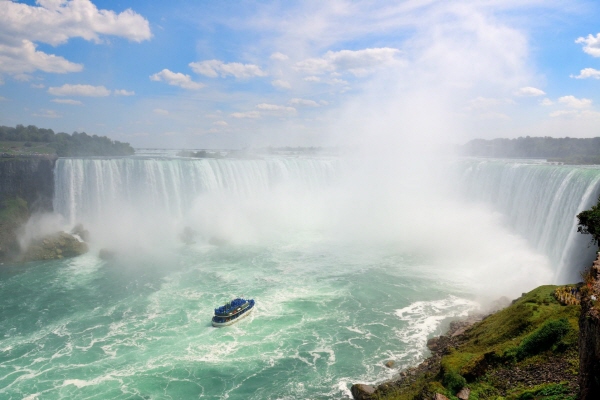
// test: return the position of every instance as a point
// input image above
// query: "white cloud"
(358, 62)
(587, 73)
(220, 123)
(24, 57)
(22, 77)
(44, 113)
(37, 85)
(67, 101)
(248, 114)
(79, 90)
(123, 92)
(281, 84)
(546, 102)
(561, 113)
(55, 22)
(578, 114)
(312, 79)
(176, 79)
(279, 56)
(529, 91)
(573, 102)
(337, 81)
(304, 102)
(214, 68)
(592, 44)
(160, 111)
(275, 108)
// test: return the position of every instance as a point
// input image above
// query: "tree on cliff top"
(589, 222)
(77, 144)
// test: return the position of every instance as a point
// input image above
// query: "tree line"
(73, 145)
(572, 150)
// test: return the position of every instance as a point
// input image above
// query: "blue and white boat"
(232, 312)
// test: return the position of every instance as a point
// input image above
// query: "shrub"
(552, 391)
(454, 381)
(543, 338)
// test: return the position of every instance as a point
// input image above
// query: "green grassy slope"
(526, 351)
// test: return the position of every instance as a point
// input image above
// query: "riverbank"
(528, 350)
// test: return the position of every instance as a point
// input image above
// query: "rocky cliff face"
(589, 336)
(26, 186)
(30, 178)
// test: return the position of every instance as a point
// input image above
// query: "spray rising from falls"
(152, 199)
(540, 202)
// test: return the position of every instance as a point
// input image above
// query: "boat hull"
(233, 321)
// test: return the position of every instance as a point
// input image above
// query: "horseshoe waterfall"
(349, 266)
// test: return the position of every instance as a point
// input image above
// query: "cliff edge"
(589, 338)
(30, 178)
(27, 187)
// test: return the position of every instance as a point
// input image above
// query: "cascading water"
(540, 202)
(347, 273)
(87, 187)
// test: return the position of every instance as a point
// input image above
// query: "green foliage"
(552, 391)
(65, 145)
(543, 338)
(504, 325)
(20, 148)
(589, 222)
(454, 381)
(81, 144)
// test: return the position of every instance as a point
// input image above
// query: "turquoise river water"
(334, 302)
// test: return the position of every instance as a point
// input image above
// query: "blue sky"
(232, 74)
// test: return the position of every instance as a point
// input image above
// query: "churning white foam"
(424, 318)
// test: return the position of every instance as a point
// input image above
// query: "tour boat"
(232, 312)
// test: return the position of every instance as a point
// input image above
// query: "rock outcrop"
(589, 336)
(13, 214)
(55, 246)
(361, 391)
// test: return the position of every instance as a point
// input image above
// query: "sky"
(237, 74)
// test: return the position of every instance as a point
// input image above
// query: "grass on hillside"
(536, 333)
(20, 148)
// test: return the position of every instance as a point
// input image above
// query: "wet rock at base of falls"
(107, 255)
(363, 392)
(188, 235)
(80, 231)
(217, 241)
(55, 246)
